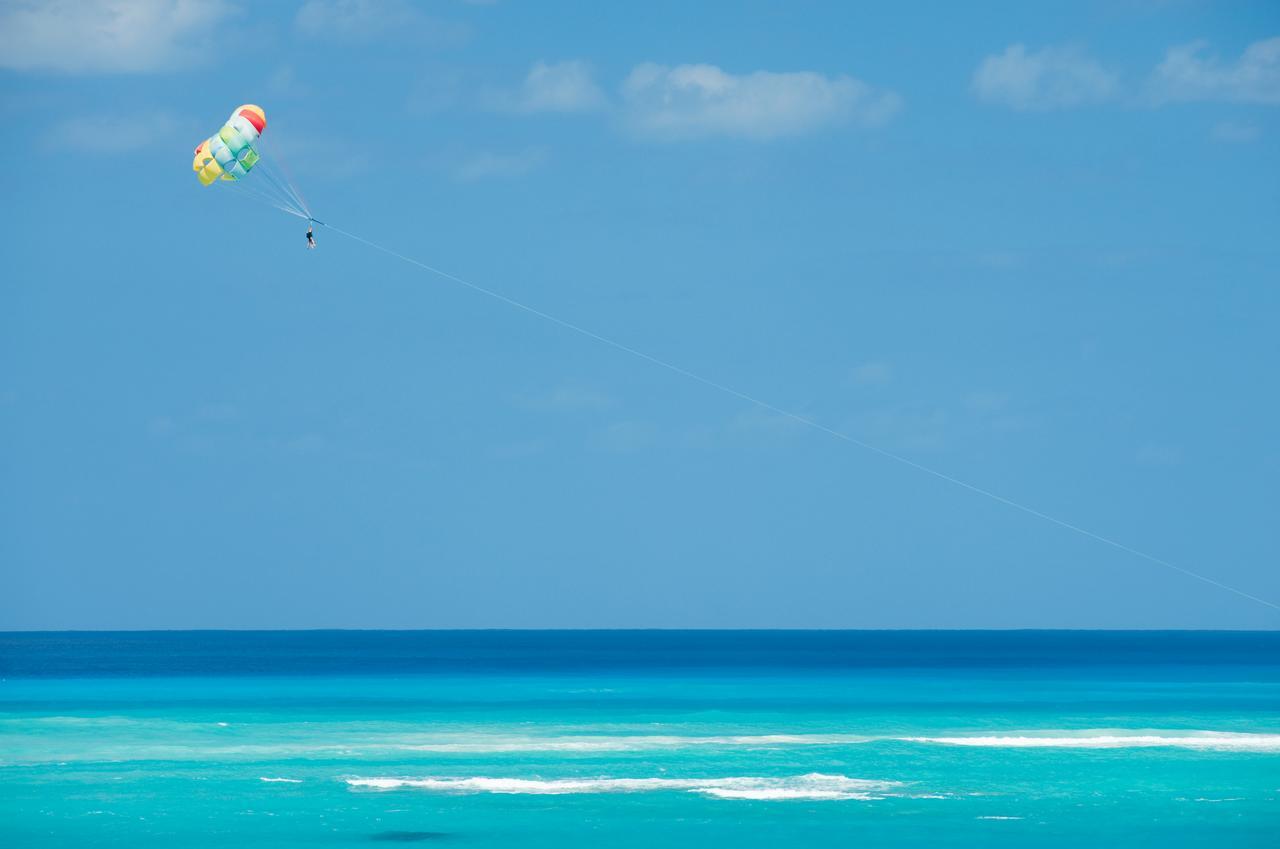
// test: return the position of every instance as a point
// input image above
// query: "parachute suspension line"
(261, 197)
(281, 178)
(844, 437)
(268, 198)
(274, 181)
(264, 187)
(293, 187)
(288, 188)
(269, 157)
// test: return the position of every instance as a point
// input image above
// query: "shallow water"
(707, 739)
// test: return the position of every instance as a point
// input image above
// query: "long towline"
(729, 390)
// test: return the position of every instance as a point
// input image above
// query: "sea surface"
(701, 739)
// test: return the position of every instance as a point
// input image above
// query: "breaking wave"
(813, 786)
(631, 743)
(1203, 740)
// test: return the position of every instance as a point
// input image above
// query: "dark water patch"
(1224, 654)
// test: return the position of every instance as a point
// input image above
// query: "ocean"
(701, 739)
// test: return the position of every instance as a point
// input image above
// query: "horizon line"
(4, 629)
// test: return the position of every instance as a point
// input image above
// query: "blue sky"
(1032, 246)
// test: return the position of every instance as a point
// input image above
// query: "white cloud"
(518, 450)
(1187, 73)
(366, 20)
(569, 397)
(108, 36)
(351, 19)
(698, 101)
(904, 428)
(992, 411)
(218, 411)
(986, 402)
(625, 437)
(1234, 132)
(112, 134)
(436, 91)
(1051, 78)
(199, 425)
(484, 164)
(756, 421)
(284, 82)
(1001, 260)
(161, 426)
(871, 373)
(321, 152)
(559, 87)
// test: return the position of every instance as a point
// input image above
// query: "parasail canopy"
(230, 153)
(235, 150)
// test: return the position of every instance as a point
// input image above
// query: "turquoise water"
(707, 739)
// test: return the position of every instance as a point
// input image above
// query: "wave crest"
(1203, 740)
(633, 743)
(813, 786)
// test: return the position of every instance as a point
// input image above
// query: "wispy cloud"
(306, 443)
(999, 260)
(1063, 77)
(568, 397)
(367, 20)
(625, 437)
(438, 90)
(557, 87)
(993, 411)
(201, 427)
(1189, 72)
(518, 450)
(904, 427)
(1159, 454)
(108, 36)
(685, 102)
(111, 134)
(284, 82)
(698, 101)
(316, 152)
(482, 165)
(986, 402)
(1050, 78)
(756, 421)
(1234, 132)
(872, 373)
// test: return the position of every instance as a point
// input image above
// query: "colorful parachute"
(230, 154)
(233, 152)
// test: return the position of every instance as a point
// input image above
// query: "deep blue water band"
(275, 653)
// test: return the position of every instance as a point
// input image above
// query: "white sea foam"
(814, 786)
(999, 818)
(630, 743)
(776, 794)
(280, 780)
(1202, 740)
